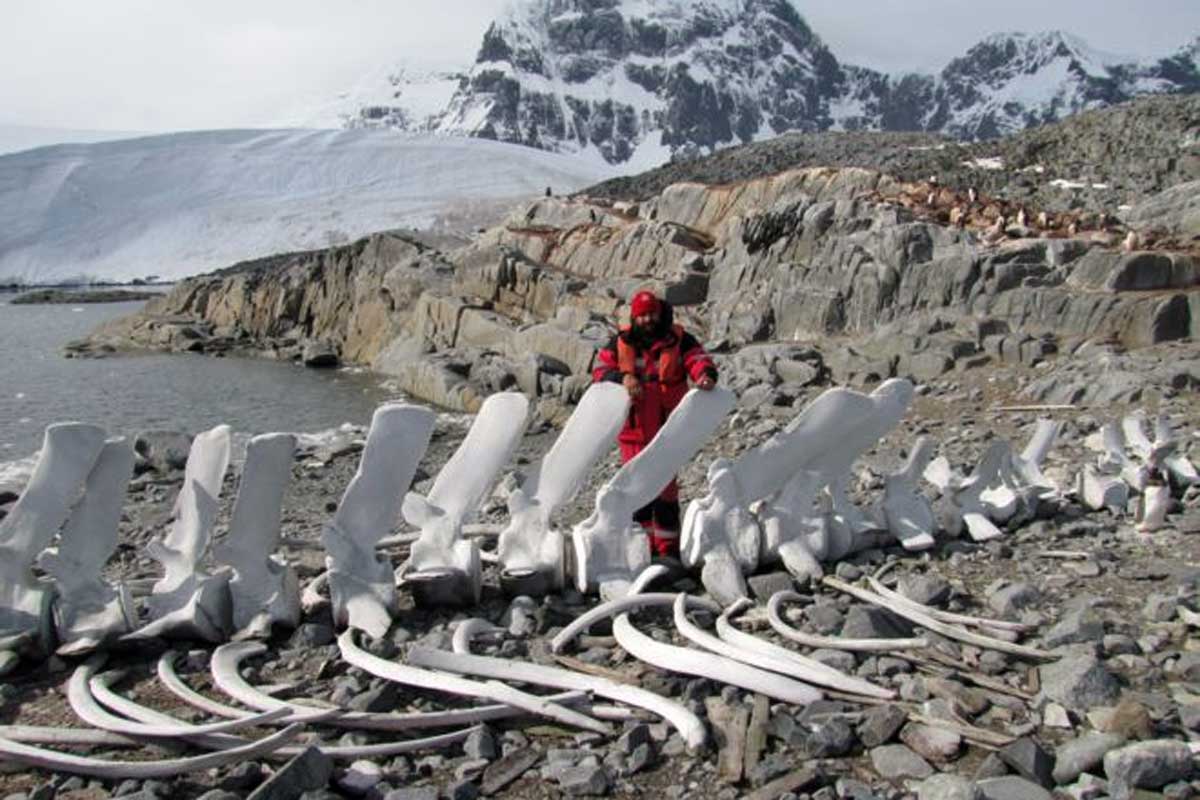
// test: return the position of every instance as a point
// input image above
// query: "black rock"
(310, 770)
(880, 724)
(1028, 759)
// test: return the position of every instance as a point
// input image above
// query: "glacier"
(185, 203)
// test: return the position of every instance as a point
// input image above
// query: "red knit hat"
(644, 303)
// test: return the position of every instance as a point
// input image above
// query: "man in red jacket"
(653, 358)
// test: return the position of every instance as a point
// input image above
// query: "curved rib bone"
(84, 737)
(144, 770)
(949, 631)
(688, 724)
(226, 659)
(453, 684)
(619, 606)
(945, 616)
(737, 654)
(89, 611)
(140, 713)
(263, 591)
(806, 669)
(87, 709)
(609, 547)
(361, 586)
(832, 642)
(528, 545)
(68, 454)
(188, 602)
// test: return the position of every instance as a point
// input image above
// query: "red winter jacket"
(674, 351)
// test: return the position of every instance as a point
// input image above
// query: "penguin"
(1132, 242)
(1072, 229)
(1043, 220)
(972, 195)
(1022, 217)
(931, 199)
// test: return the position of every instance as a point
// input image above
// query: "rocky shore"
(67, 297)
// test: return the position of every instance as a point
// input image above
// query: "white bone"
(528, 546)
(1135, 436)
(752, 657)
(263, 590)
(946, 616)
(928, 622)
(611, 608)
(361, 587)
(1028, 465)
(609, 547)
(90, 611)
(1102, 491)
(87, 737)
(978, 511)
(188, 602)
(908, 514)
(780, 625)
(227, 658)
(798, 526)
(87, 709)
(1175, 462)
(104, 694)
(1152, 508)
(688, 724)
(720, 535)
(707, 665)
(803, 668)
(68, 453)
(144, 770)
(453, 684)
(1136, 474)
(442, 554)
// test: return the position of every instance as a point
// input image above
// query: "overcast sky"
(154, 65)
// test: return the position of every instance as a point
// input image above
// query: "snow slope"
(15, 138)
(185, 203)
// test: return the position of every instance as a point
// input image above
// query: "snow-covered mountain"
(15, 138)
(636, 82)
(180, 204)
(404, 97)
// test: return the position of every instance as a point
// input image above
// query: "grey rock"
(379, 699)
(633, 738)
(991, 767)
(1189, 716)
(1011, 787)
(829, 738)
(320, 354)
(928, 590)
(584, 780)
(481, 744)
(162, 451)
(1075, 757)
(838, 659)
(763, 586)
(931, 743)
(1087, 787)
(1160, 607)
(310, 770)
(1078, 682)
(1029, 760)
(1076, 626)
(360, 777)
(894, 761)
(864, 622)
(243, 777)
(948, 787)
(312, 634)
(219, 794)
(825, 618)
(413, 793)
(1146, 765)
(880, 724)
(508, 768)
(1013, 598)
(462, 790)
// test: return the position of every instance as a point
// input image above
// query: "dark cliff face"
(642, 83)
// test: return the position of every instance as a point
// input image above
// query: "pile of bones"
(783, 502)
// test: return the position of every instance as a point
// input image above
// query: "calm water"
(178, 392)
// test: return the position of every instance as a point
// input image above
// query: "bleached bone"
(706, 665)
(721, 535)
(144, 770)
(68, 453)
(1189, 617)
(66, 737)
(609, 547)
(263, 590)
(1175, 462)
(444, 566)
(803, 525)
(611, 608)
(945, 616)
(361, 587)
(781, 626)
(1135, 436)
(313, 596)
(803, 668)
(139, 713)
(752, 657)
(530, 552)
(690, 727)
(187, 601)
(87, 709)
(1102, 491)
(1028, 465)
(227, 658)
(1136, 474)
(928, 622)
(88, 610)
(978, 512)
(1152, 508)
(453, 684)
(908, 514)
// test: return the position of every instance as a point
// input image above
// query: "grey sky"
(178, 64)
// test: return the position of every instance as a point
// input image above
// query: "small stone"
(932, 743)
(894, 761)
(1160, 608)
(413, 793)
(243, 777)
(377, 700)
(507, 769)
(1076, 626)
(1055, 716)
(631, 739)
(587, 780)
(462, 790)
(1029, 760)
(1077, 756)
(764, 586)
(928, 590)
(480, 744)
(869, 622)
(991, 767)
(312, 634)
(1078, 682)
(1189, 716)
(310, 770)
(1013, 598)
(360, 777)
(880, 724)
(829, 738)
(1146, 765)
(1011, 787)
(838, 659)
(947, 787)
